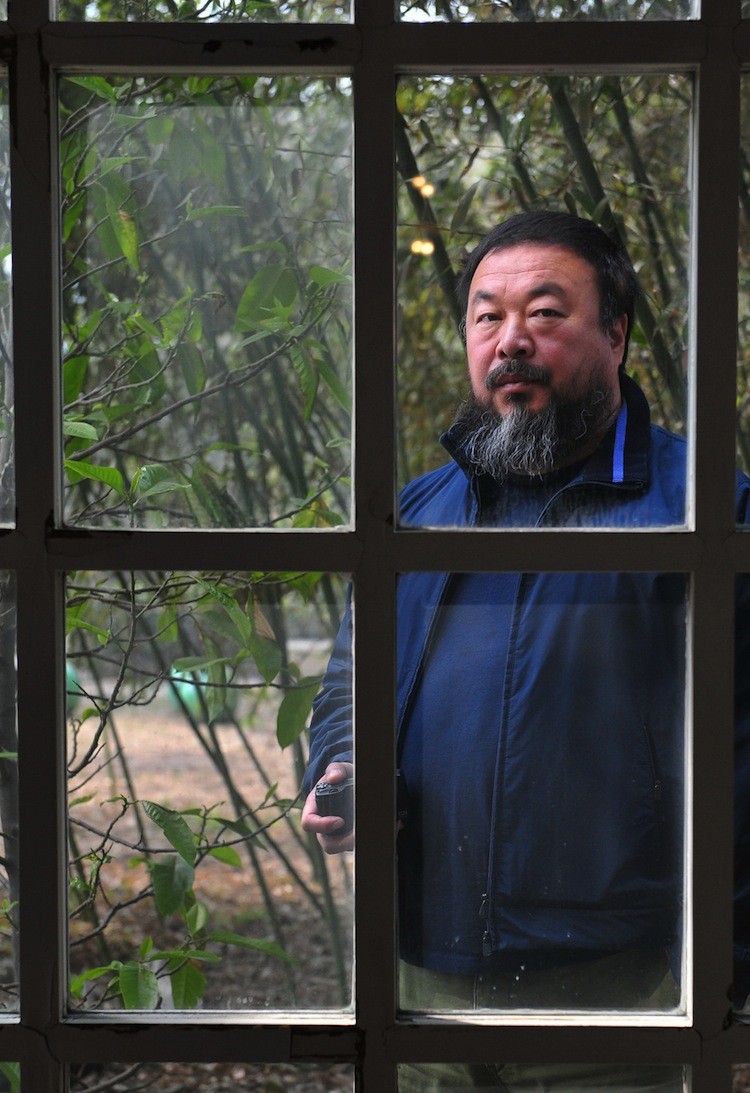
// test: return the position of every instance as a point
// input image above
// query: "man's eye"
(489, 317)
(547, 313)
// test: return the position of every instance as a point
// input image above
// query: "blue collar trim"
(618, 455)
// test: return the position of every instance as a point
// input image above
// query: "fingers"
(328, 828)
(338, 772)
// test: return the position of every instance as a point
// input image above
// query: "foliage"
(544, 10)
(333, 10)
(218, 645)
(206, 313)
(176, 11)
(206, 249)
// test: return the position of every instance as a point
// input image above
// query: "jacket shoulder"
(670, 462)
(438, 498)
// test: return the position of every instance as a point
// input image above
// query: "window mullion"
(34, 222)
(713, 342)
(374, 581)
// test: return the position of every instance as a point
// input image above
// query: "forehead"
(527, 268)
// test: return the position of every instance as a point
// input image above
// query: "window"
(94, 66)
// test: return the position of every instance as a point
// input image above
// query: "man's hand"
(327, 827)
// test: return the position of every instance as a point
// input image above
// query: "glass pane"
(212, 1077)
(11, 1075)
(542, 755)
(565, 1078)
(473, 152)
(205, 11)
(9, 880)
(190, 880)
(206, 305)
(7, 470)
(469, 11)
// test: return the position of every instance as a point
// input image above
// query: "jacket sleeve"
(331, 725)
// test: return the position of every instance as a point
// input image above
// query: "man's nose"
(514, 340)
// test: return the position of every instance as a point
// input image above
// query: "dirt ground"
(168, 765)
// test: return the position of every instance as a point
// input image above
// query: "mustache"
(515, 369)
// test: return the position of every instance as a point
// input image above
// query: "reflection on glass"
(190, 881)
(206, 11)
(557, 1078)
(541, 751)
(7, 470)
(11, 1075)
(9, 880)
(206, 227)
(213, 1077)
(560, 11)
(612, 149)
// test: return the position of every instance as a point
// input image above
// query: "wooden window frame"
(373, 49)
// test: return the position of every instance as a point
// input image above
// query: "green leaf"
(192, 367)
(74, 374)
(308, 377)
(196, 917)
(185, 665)
(125, 232)
(79, 428)
(172, 879)
(335, 386)
(188, 985)
(570, 203)
(96, 84)
(216, 692)
(226, 854)
(77, 469)
(267, 656)
(176, 956)
(272, 284)
(138, 986)
(322, 277)
(177, 832)
(74, 621)
(78, 982)
(226, 937)
(462, 209)
(154, 479)
(294, 712)
(216, 210)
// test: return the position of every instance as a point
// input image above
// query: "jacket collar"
(622, 458)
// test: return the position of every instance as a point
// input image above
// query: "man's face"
(538, 305)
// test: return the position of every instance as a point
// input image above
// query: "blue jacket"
(584, 834)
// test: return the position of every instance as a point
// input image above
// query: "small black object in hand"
(336, 799)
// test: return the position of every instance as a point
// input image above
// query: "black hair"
(616, 278)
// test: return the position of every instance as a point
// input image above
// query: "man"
(541, 716)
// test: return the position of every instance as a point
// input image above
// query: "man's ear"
(618, 337)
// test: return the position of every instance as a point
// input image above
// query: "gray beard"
(528, 442)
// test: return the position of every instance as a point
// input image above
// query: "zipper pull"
(483, 906)
(486, 944)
